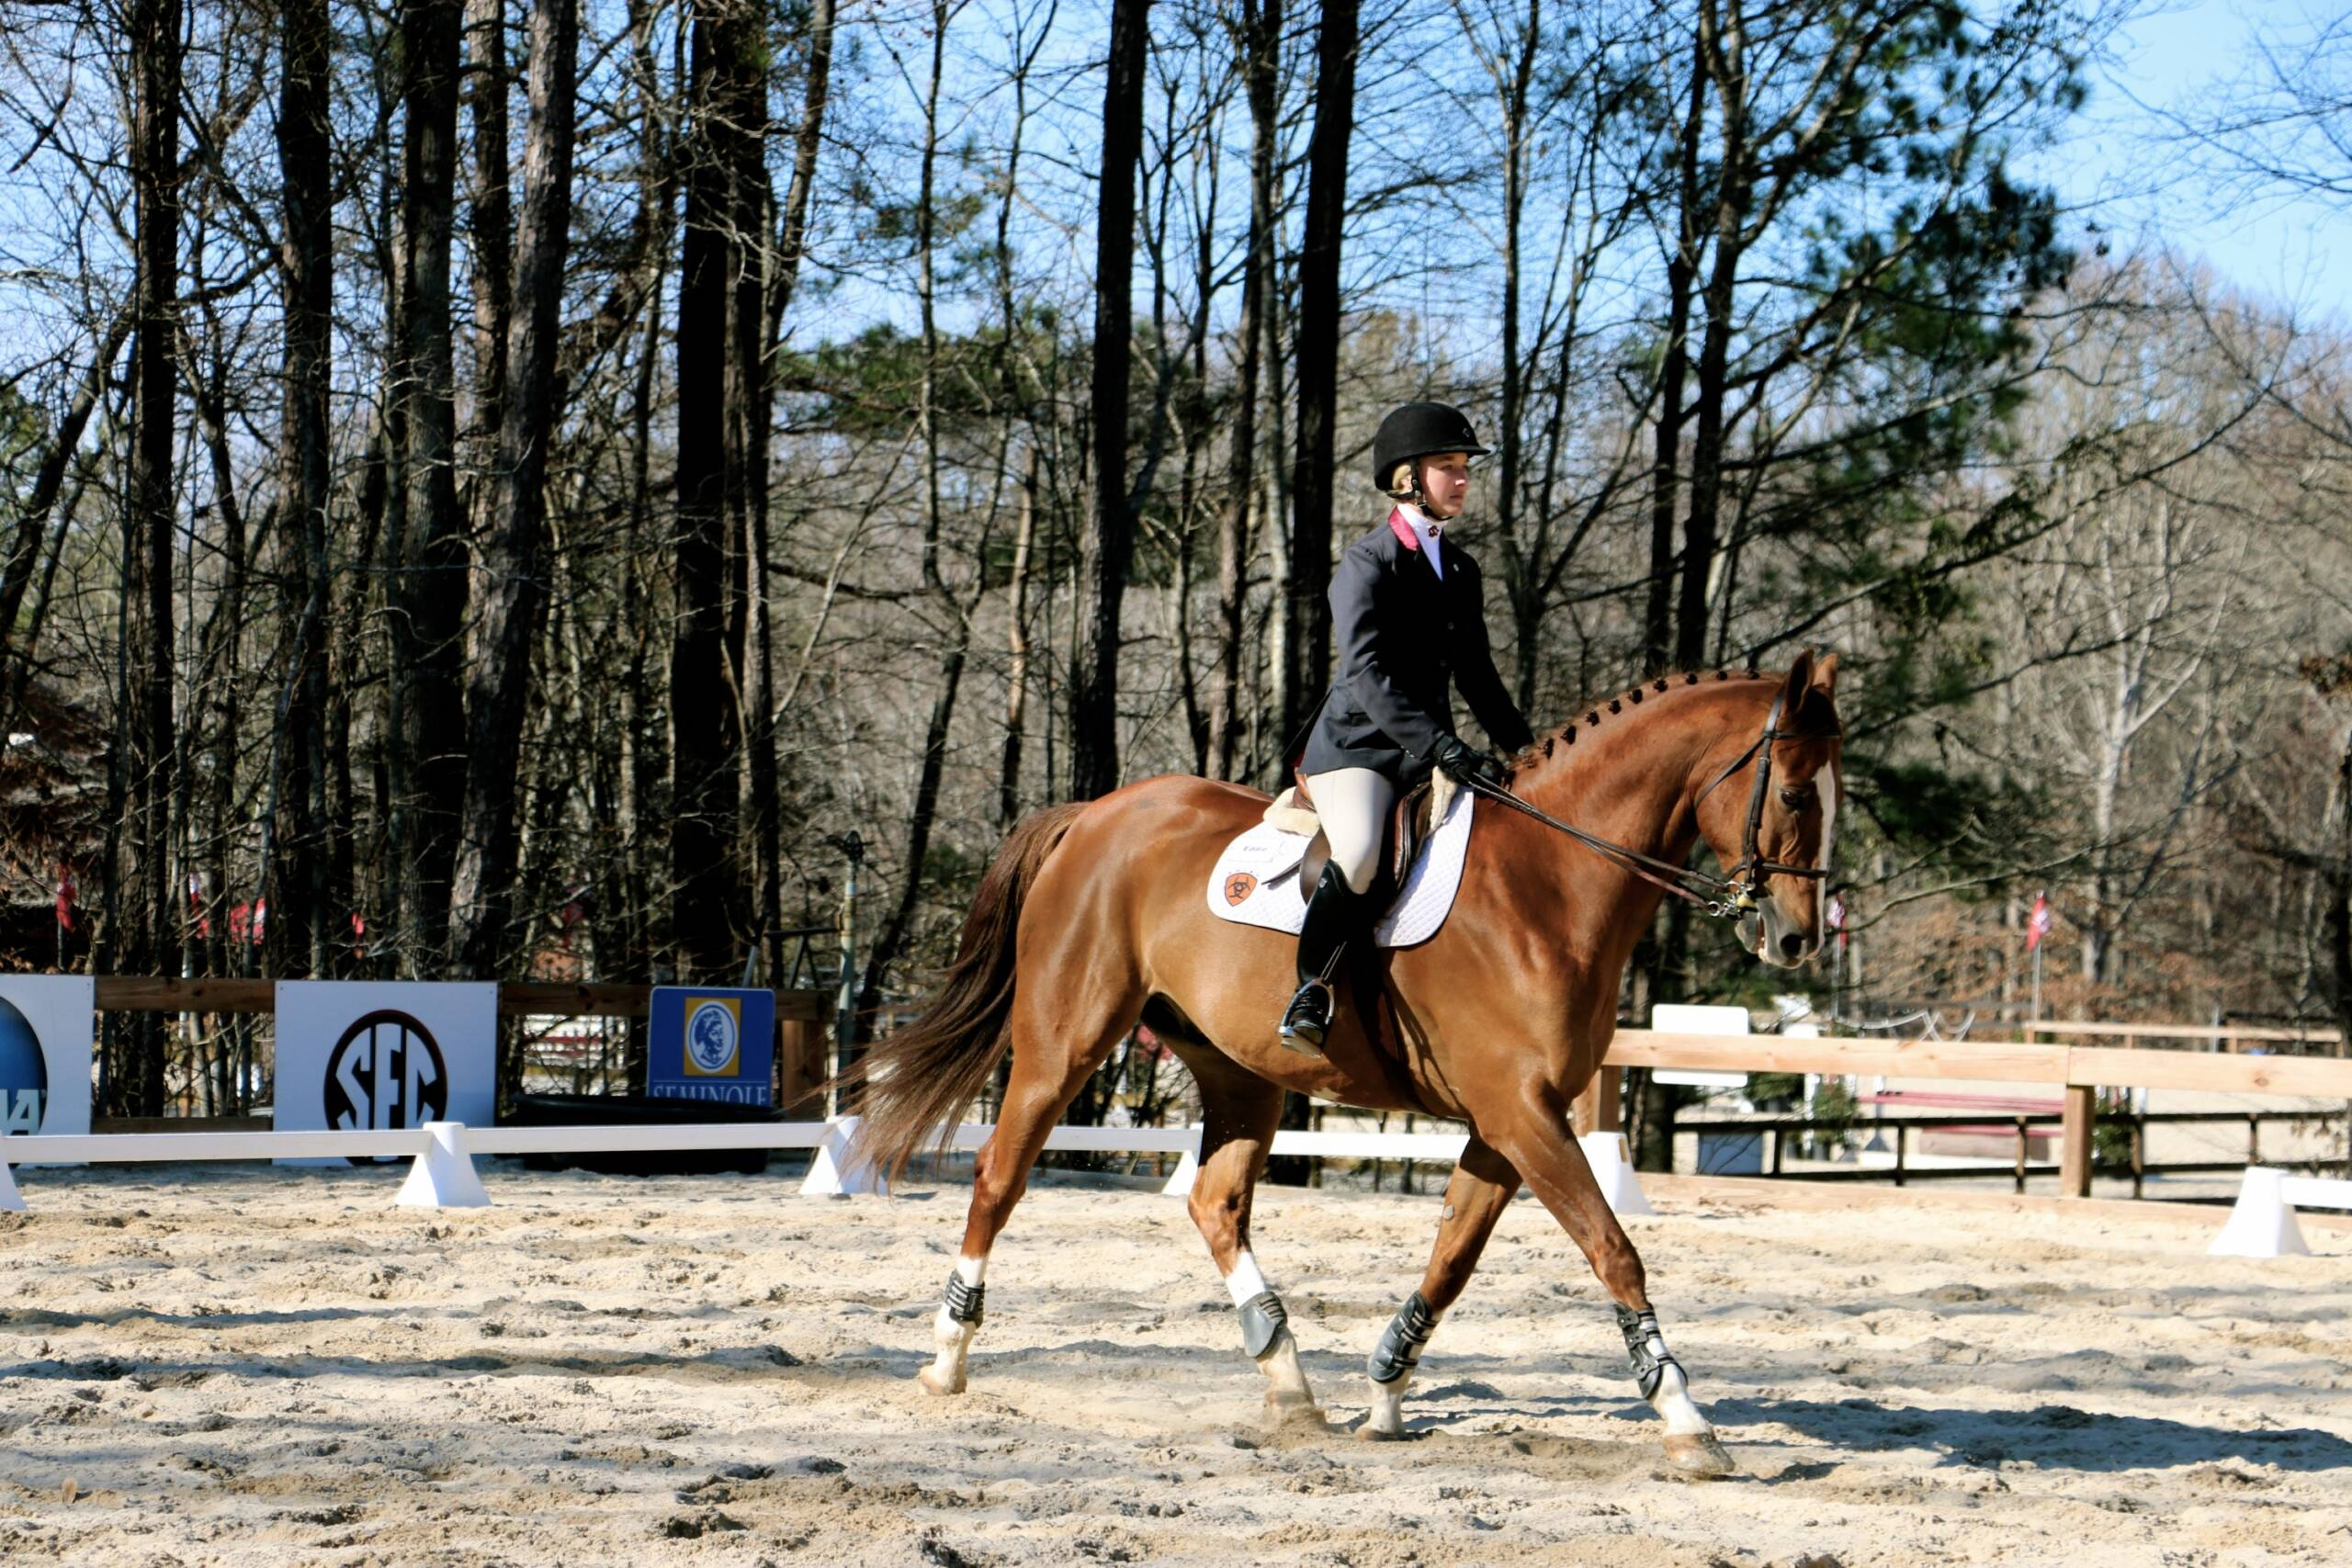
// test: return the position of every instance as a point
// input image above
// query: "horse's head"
(1771, 826)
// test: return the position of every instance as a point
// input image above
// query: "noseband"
(1726, 897)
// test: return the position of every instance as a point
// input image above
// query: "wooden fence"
(2081, 1071)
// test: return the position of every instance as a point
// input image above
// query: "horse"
(1092, 919)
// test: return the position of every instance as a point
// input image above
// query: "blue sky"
(2121, 159)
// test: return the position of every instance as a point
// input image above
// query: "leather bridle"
(1727, 896)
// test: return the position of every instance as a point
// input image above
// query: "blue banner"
(712, 1042)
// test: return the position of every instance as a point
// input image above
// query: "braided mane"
(1541, 748)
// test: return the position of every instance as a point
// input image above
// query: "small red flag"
(66, 888)
(2036, 925)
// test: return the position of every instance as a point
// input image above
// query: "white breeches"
(1350, 803)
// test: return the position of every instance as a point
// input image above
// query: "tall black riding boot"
(1332, 915)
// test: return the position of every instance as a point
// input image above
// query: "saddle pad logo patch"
(1239, 887)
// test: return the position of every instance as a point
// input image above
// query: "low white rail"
(442, 1174)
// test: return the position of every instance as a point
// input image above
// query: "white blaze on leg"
(1673, 1400)
(953, 1338)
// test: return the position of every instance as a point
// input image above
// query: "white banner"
(365, 1055)
(48, 1031)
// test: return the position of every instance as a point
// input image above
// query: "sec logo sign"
(713, 1037)
(386, 1071)
(24, 1073)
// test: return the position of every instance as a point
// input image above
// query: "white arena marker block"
(443, 1175)
(831, 1174)
(2262, 1223)
(1180, 1181)
(13, 1201)
(1613, 1168)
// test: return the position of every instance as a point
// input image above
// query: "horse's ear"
(1824, 676)
(1799, 677)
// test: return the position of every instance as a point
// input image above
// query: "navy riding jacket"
(1404, 639)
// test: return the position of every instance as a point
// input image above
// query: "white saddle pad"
(1256, 881)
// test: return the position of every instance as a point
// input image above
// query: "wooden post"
(1601, 1108)
(2022, 1153)
(2139, 1154)
(1902, 1135)
(800, 1056)
(2078, 1129)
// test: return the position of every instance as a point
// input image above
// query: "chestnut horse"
(1092, 919)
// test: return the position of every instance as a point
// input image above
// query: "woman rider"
(1408, 622)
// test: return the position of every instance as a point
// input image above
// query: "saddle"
(1403, 829)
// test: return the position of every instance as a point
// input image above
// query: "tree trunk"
(705, 889)
(493, 225)
(515, 564)
(2339, 903)
(1317, 348)
(306, 271)
(429, 601)
(780, 278)
(149, 915)
(1261, 44)
(1522, 565)
(753, 197)
(1700, 528)
(1682, 269)
(1094, 695)
(1008, 793)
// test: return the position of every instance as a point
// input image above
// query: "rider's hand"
(1462, 762)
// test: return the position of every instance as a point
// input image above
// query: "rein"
(1725, 897)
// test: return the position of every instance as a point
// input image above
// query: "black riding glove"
(1462, 762)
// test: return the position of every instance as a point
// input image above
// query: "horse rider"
(1408, 622)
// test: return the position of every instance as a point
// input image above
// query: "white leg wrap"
(1244, 1281)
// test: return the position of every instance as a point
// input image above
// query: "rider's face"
(1445, 484)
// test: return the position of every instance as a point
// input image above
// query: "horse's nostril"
(1793, 946)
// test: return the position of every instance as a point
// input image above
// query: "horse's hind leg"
(1482, 1186)
(1050, 1063)
(1535, 1138)
(1239, 1115)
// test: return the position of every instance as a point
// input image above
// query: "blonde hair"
(1405, 478)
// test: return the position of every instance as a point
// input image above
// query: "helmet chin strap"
(1418, 497)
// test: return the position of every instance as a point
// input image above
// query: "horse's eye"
(1796, 797)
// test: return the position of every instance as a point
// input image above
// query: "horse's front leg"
(1482, 1185)
(1536, 1139)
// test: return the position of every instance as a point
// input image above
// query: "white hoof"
(1698, 1454)
(1385, 1422)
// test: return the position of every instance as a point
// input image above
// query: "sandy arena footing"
(253, 1367)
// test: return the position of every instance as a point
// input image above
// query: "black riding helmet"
(1416, 430)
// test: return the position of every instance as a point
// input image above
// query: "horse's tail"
(923, 1077)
